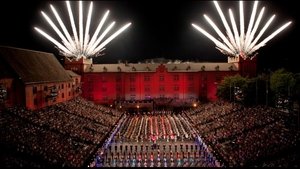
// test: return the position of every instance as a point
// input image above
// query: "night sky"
(159, 29)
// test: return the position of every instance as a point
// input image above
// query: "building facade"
(106, 83)
(34, 79)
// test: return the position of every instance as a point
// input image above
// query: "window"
(105, 98)
(35, 101)
(69, 93)
(62, 95)
(34, 89)
(161, 78)
(90, 96)
(132, 78)
(74, 68)
(118, 78)
(147, 88)
(161, 88)
(118, 88)
(191, 87)
(103, 79)
(147, 78)
(62, 86)
(45, 88)
(90, 88)
(132, 88)
(218, 77)
(176, 77)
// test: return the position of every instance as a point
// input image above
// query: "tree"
(233, 88)
(282, 83)
(296, 90)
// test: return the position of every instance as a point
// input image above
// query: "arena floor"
(164, 140)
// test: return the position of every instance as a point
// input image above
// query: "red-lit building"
(34, 79)
(105, 83)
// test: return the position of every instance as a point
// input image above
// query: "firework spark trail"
(80, 45)
(261, 44)
(110, 38)
(63, 27)
(243, 43)
(73, 24)
(251, 23)
(97, 30)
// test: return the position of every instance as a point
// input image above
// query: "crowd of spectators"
(65, 134)
(247, 136)
(69, 134)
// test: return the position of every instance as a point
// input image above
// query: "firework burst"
(80, 44)
(244, 44)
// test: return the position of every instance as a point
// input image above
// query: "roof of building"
(34, 66)
(71, 73)
(171, 67)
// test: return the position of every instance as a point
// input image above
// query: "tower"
(78, 66)
(246, 67)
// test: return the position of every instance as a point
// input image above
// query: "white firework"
(240, 43)
(76, 47)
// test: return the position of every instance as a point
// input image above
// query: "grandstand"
(46, 123)
(78, 133)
